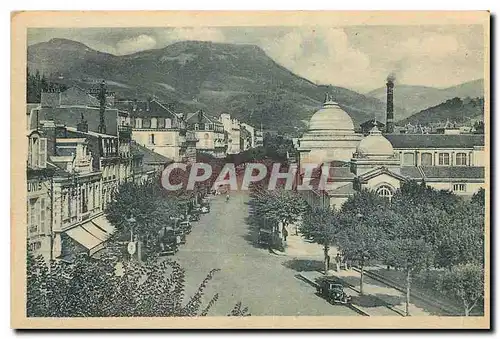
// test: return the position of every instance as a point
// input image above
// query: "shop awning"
(92, 234)
(103, 223)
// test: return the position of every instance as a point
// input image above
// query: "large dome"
(375, 144)
(331, 118)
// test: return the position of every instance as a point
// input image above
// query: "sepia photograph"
(250, 170)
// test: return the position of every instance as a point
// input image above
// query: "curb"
(382, 301)
(314, 284)
(449, 310)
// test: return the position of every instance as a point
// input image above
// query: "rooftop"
(442, 172)
(149, 157)
(435, 140)
(145, 108)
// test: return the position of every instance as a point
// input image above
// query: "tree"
(479, 197)
(466, 282)
(321, 225)
(360, 238)
(109, 287)
(150, 208)
(460, 238)
(278, 206)
(409, 254)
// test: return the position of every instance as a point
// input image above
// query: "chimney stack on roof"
(389, 125)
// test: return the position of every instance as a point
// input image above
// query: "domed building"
(330, 136)
(347, 162)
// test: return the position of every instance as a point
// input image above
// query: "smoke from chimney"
(390, 103)
(391, 77)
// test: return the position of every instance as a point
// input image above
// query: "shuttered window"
(42, 153)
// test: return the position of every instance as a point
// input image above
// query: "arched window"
(385, 192)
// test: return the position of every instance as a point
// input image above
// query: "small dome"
(331, 118)
(375, 144)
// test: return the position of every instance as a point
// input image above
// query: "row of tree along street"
(420, 230)
(116, 284)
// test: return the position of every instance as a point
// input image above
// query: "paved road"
(248, 274)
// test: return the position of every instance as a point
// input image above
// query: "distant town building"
(233, 129)
(209, 132)
(159, 129)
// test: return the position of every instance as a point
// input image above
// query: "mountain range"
(468, 110)
(239, 79)
(410, 100)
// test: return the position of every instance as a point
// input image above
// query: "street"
(248, 274)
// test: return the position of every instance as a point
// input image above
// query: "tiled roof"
(193, 118)
(443, 172)
(143, 109)
(149, 157)
(456, 172)
(411, 172)
(70, 116)
(347, 189)
(435, 140)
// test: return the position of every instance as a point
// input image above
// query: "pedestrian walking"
(338, 260)
(285, 233)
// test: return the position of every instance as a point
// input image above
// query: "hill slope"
(413, 99)
(455, 110)
(239, 79)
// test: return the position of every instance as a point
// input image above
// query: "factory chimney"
(389, 124)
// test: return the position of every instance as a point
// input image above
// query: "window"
(32, 215)
(138, 123)
(444, 159)
(152, 139)
(42, 215)
(409, 159)
(35, 148)
(426, 159)
(161, 123)
(65, 212)
(84, 200)
(461, 159)
(153, 123)
(146, 123)
(168, 123)
(459, 187)
(196, 127)
(385, 192)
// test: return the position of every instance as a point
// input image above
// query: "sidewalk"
(298, 247)
(377, 299)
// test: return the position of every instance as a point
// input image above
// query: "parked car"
(185, 226)
(194, 217)
(168, 242)
(332, 289)
(265, 237)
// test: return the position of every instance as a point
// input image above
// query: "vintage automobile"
(332, 289)
(265, 237)
(168, 242)
(194, 217)
(185, 226)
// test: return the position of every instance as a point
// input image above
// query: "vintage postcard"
(250, 170)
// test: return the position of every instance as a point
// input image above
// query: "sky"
(355, 57)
